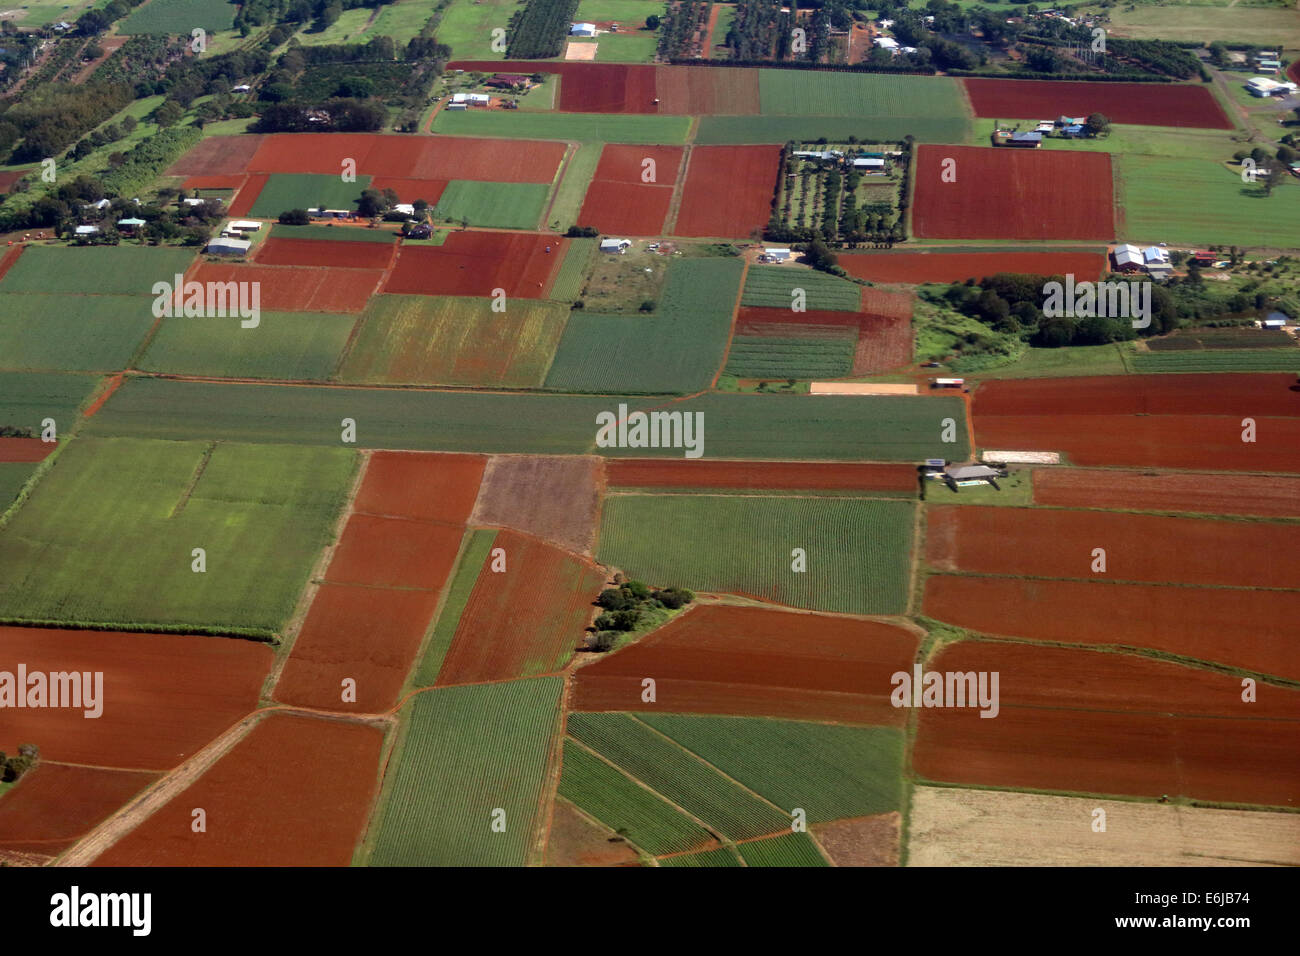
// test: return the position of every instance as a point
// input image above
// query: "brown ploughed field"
(55, 805)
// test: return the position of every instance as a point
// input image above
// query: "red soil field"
(410, 158)
(885, 337)
(1003, 193)
(25, 449)
(55, 805)
(728, 190)
(218, 156)
(625, 164)
(630, 209)
(287, 289)
(552, 497)
(409, 190)
(475, 263)
(327, 254)
(9, 258)
(1112, 723)
(425, 485)
(1045, 542)
(689, 91)
(243, 202)
(215, 182)
(1146, 104)
(958, 266)
(1255, 395)
(368, 634)
(1248, 629)
(758, 475)
(525, 620)
(294, 792)
(165, 696)
(750, 661)
(394, 553)
(10, 176)
(1265, 495)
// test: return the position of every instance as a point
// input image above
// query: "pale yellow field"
(955, 827)
(1229, 24)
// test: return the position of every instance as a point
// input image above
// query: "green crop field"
(568, 284)
(334, 233)
(638, 47)
(1152, 193)
(474, 549)
(467, 26)
(97, 270)
(723, 130)
(681, 778)
(1238, 360)
(73, 332)
(1067, 360)
(285, 345)
(306, 191)
(574, 182)
(829, 771)
(677, 348)
(1226, 22)
(630, 810)
(180, 17)
(26, 398)
(107, 537)
(761, 356)
(827, 93)
(722, 856)
(445, 340)
(774, 287)
(13, 475)
(853, 428)
(584, 127)
(504, 205)
(858, 550)
(793, 849)
(468, 752)
(631, 12)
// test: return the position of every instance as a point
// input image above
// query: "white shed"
(614, 245)
(582, 30)
(229, 247)
(777, 255)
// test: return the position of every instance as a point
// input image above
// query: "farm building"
(614, 245)
(507, 81)
(1203, 258)
(457, 106)
(471, 99)
(405, 208)
(867, 162)
(130, 225)
(886, 43)
(1026, 140)
(777, 255)
(1263, 86)
(1271, 323)
(87, 230)
(1154, 255)
(818, 153)
(244, 225)
(229, 247)
(582, 30)
(1271, 66)
(97, 205)
(1128, 258)
(241, 88)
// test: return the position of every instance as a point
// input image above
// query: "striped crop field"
(831, 771)
(723, 856)
(468, 752)
(500, 205)
(303, 346)
(454, 340)
(762, 356)
(474, 550)
(72, 332)
(1226, 360)
(95, 270)
(629, 809)
(868, 95)
(774, 287)
(568, 283)
(792, 849)
(680, 777)
(857, 550)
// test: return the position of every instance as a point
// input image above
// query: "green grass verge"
(583, 127)
(1066, 361)
(857, 549)
(285, 345)
(504, 205)
(568, 284)
(573, 186)
(889, 428)
(73, 332)
(630, 810)
(95, 270)
(469, 752)
(474, 552)
(332, 233)
(107, 535)
(678, 348)
(285, 191)
(13, 475)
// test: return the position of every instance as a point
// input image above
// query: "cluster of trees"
(1272, 165)
(624, 606)
(12, 768)
(681, 24)
(336, 115)
(537, 31)
(51, 118)
(843, 222)
(320, 13)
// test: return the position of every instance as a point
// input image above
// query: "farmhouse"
(776, 255)
(1202, 258)
(229, 247)
(615, 245)
(129, 225)
(507, 81)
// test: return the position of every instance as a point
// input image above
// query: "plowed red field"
(957, 266)
(218, 156)
(1265, 495)
(1145, 104)
(689, 91)
(411, 158)
(9, 258)
(394, 553)
(758, 475)
(1044, 542)
(56, 805)
(1255, 395)
(1112, 723)
(329, 254)
(1002, 193)
(430, 486)
(368, 634)
(1249, 629)
(750, 661)
(294, 792)
(409, 190)
(288, 289)
(244, 200)
(728, 190)
(618, 201)
(215, 182)
(525, 620)
(475, 263)
(165, 696)
(25, 449)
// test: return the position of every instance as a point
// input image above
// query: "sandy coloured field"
(954, 827)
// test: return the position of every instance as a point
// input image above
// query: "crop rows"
(792, 849)
(773, 287)
(1244, 360)
(757, 356)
